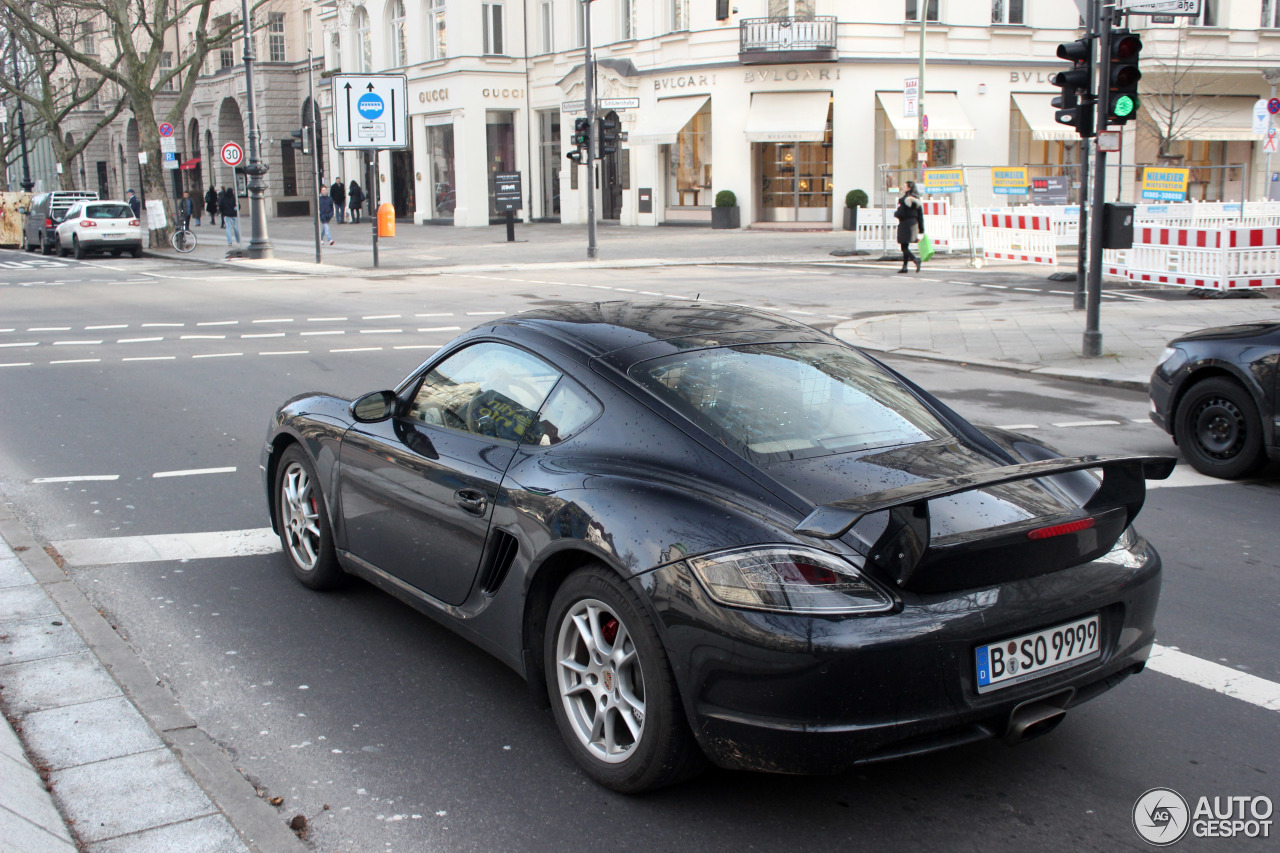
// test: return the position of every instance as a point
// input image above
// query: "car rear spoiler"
(980, 558)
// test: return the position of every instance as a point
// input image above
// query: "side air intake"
(499, 555)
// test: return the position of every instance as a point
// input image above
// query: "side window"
(486, 389)
(567, 410)
(72, 212)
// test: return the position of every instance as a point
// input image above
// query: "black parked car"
(1215, 392)
(708, 532)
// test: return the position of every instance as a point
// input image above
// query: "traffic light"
(1122, 95)
(1075, 104)
(301, 140)
(581, 127)
(607, 134)
(575, 156)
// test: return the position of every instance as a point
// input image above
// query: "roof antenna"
(697, 298)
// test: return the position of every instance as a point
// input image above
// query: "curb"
(259, 825)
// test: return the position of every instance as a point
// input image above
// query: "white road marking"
(219, 323)
(325, 319)
(441, 329)
(1185, 476)
(326, 332)
(191, 472)
(995, 286)
(1141, 421)
(445, 314)
(163, 325)
(22, 344)
(1065, 424)
(76, 361)
(17, 364)
(74, 343)
(50, 329)
(276, 320)
(138, 340)
(150, 358)
(381, 317)
(203, 338)
(175, 546)
(86, 478)
(286, 352)
(486, 313)
(218, 355)
(1018, 426)
(115, 326)
(1216, 677)
(358, 349)
(418, 346)
(1028, 289)
(649, 293)
(381, 331)
(265, 335)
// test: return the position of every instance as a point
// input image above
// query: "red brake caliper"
(609, 630)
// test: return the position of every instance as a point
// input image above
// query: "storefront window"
(440, 158)
(689, 163)
(795, 179)
(500, 133)
(900, 154)
(549, 146)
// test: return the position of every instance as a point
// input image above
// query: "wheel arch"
(1213, 370)
(282, 442)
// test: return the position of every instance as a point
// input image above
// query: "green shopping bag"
(926, 248)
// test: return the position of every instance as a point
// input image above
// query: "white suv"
(99, 226)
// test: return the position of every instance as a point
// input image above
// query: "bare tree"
(1176, 92)
(140, 35)
(54, 88)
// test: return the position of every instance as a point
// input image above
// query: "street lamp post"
(589, 101)
(259, 243)
(27, 183)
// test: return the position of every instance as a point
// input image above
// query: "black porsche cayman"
(709, 532)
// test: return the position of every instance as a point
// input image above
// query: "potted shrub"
(725, 213)
(852, 201)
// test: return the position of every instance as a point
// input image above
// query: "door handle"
(472, 501)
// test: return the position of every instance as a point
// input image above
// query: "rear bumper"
(107, 245)
(814, 695)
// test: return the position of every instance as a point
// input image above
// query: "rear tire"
(58, 248)
(612, 691)
(46, 248)
(77, 249)
(26, 243)
(136, 252)
(303, 522)
(1219, 430)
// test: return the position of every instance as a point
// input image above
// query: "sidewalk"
(1048, 342)
(112, 762)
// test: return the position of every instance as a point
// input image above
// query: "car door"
(66, 226)
(417, 490)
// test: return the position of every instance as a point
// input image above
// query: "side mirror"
(374, 407)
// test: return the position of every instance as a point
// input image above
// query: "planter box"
(851, 219)
(725, 217)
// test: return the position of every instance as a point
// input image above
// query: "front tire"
(1219, 429)
(612, 691)
(303, 522)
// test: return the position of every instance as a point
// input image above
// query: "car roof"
(649, 328)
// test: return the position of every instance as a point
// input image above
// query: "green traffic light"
(1123, 106)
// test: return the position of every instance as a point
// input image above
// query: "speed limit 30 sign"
(232, 154)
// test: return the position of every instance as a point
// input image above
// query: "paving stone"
(67, 680)
(25, 602)
(212, 834)
(22, 792)
(36, 639)
(87, 732)
(12, 571)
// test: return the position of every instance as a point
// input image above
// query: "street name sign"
(1170, 8)
(232, 154)
(370, 111)
(618, 104)
(573, 106)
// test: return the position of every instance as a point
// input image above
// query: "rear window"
(773, 402)
(109, 211)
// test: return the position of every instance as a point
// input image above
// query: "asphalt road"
(389, 733)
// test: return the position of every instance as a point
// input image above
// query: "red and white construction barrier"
(1209, 258)
(1018, 237)
(937, 223)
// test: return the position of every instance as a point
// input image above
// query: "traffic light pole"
(588, 73)
(1082, 238)
(315, 154)
(1092, 344)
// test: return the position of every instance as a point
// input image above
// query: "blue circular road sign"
(370, 105)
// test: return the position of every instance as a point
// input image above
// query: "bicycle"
(183, 239)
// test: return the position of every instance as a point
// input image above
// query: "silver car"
(99, 226)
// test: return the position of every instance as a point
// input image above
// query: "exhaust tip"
(1036, 718)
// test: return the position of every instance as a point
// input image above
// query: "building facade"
(788, 103)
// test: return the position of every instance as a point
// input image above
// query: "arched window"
(397, 47)
(364, 41)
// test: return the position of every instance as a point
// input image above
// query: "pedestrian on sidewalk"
(910, 216)
(339, 196)
(355, 200)
(185, 210)
(326, 213)
(134, 205)
(211, 205)
(230, 211)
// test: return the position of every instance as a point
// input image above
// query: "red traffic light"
(1126, 48)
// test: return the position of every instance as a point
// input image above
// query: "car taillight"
(88, 223)
(789, 579)
(48, 223)
(135, 223)
(1060, 529)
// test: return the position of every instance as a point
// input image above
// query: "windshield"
(773, 402)
(109, 211)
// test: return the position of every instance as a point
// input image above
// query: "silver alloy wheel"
(300, 516)
(600, 681)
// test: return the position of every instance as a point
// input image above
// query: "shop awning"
(946, 118)
(190, 164)
(788, 116)
(1203, 119)
(1038, 112)
(660, 125)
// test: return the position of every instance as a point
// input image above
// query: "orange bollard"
(386, 219)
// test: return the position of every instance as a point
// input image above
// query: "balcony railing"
(787, 39)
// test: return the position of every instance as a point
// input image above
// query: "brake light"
(1060, 529)
(134, 223)
(48, 223)
(87, 223)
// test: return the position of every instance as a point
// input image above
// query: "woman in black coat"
(910, 216)
(355, 200)
(211, 205)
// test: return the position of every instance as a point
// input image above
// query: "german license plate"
(1030, 656)
(110, 236)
